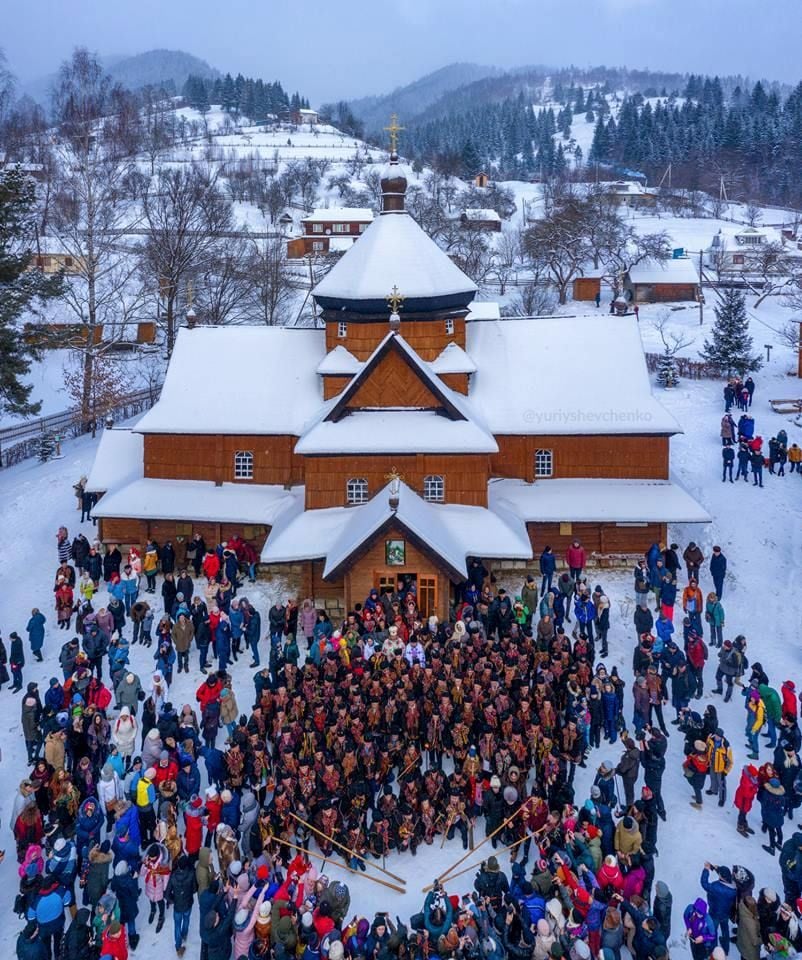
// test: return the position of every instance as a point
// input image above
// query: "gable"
(394, 383)
(395, 377)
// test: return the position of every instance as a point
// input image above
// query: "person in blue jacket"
(188, 779)
(236, 618)
(653, 554)
(718, 570)
(548, 564)
(664, 629)
(223, 641)
(721, 896)
(88, 825)
(438, 913)
(36, 633)
(47, 909)
(253, 633)
(585, 613)
(610, 710)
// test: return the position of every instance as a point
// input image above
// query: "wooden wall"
(639, 457)
(586, 288)
(366, 570)
(137, 532)
(211, 457)
(427, 337)
(333, 385)
(393, 383)
(466, 476)
(663, 292)
(594, 537)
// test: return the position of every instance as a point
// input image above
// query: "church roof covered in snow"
(564, 375)
(240, 380)
(119, 460)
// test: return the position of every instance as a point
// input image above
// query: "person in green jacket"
(714, 616)
(773, 704)
(529, 594)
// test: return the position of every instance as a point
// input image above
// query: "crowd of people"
(382, 733)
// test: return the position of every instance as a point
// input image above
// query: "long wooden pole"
(488, 837)
(473, 866)
(408, 767)
(319, 856)
(345, 849)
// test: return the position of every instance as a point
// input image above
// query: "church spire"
(393, 181)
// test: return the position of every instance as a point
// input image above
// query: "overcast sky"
(345, 48)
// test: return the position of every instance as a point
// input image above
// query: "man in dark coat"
(216, 925)
(125, 887)
(181, 889)
(728, 459)
(718, 569)
(112, 561)
(30, 946)
(653, 761)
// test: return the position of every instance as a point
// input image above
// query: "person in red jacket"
(114, 943)
(211, 565)
(193, 827)
(166, 769)
(790, 708)
(214, 813)
(575, 558)
(209, 690)
(745, 797)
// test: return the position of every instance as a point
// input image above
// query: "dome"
(394, 186)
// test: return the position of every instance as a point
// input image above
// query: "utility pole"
(701, 294)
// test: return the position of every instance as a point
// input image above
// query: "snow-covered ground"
(760, 532)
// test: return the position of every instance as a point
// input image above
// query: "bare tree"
(630, 249)
(532, 300)
(778, 271)
(673, 341)
(557, 244)
(507, 258)
(224, 288)
(272, 290)
(6, 88)
(753, 213)
(105, 391)
(90, 213)
(185, 213)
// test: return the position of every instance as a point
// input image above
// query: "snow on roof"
(681, 270)
(339, 215)
(393, 251)
(452, 531)
(119, 459)
(481, 213)
(483, 310)
(339, 361)
(591, 501)
(154, 499)
(303, 534)
(564, 375)
(389, 430)
(267, 373)
(453, 359)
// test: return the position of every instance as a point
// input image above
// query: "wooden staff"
(319, 856)
(474, 866)
(351, 853)
(447, 828)
(490, 836)
(408, 767)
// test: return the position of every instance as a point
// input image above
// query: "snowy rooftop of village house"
(339, 215)
(537, 377)
(154, 499)
(481, 213)
(402, 430)
(453, 359)
(243, 380)
(453, 531)
(483, 310)
(596, 500)
(681, 270)
(119, 460)
(393, 251)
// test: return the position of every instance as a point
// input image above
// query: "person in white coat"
(109, 792)
(123, 734)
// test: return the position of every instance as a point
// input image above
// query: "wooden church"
(414, 431)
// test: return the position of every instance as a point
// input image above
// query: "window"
(427, 595)
(738, 258)
(68, 261)
(342, 227)
(243, 465)
(342, 329)
(318, 246)
(544, 463)
(362, 227)
(356, 490)
(434, 489)
(317, 228)
(449, 327)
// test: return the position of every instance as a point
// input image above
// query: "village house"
(305, 115)
(481, 219)
(414, 431)
(740, 251)
(329, 230)
(658, 281)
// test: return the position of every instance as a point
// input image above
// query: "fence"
(28, 439)
(690, 369)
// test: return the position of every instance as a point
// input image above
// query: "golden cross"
(394, 474)
(395, 301)
(394, 130)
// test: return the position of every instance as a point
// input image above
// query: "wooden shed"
(587, 288)
(656, 282)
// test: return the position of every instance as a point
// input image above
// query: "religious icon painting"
(395, 553)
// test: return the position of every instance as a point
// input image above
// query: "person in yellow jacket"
(795, 458)
(719, 755)
(149, 567)
(755, 718)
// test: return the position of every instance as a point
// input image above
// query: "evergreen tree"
(20, 288)
(471, 161)
(730, 346)
(667, 370)
(579, 106)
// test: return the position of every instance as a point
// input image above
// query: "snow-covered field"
(760, 532)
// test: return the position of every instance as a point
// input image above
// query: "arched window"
(544, 463)
(243, 465)
(356, 490)
(434, 488)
